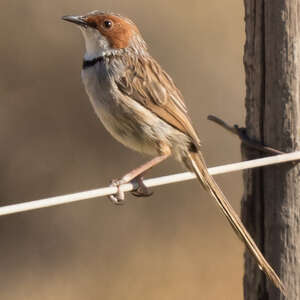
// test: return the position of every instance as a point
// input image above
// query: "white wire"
(53, 201)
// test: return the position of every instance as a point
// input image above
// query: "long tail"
(197, 163)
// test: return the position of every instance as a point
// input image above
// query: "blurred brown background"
(173, 245)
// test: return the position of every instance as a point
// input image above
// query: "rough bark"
(271, 203)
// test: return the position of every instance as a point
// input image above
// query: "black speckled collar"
(89, 63)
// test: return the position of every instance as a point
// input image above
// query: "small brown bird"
(139, 104)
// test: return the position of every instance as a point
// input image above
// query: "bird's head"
(107, 34)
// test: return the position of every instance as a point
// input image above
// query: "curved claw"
(139, 193)
(141, 190)
(119, 197)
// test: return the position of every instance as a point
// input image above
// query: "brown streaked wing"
(147, 83)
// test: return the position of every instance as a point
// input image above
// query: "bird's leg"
(119, 197)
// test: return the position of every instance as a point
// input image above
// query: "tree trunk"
(271, 203)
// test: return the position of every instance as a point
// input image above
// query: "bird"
(141, 107)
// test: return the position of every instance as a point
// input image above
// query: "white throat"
(95, 43)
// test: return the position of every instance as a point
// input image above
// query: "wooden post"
(271, 203)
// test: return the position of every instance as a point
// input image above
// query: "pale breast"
(127, 120)
(118, 117)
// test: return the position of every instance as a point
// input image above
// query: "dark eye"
(107, 24)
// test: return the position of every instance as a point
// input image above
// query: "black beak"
(78, 20)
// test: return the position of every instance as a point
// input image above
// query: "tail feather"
(197, 163)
